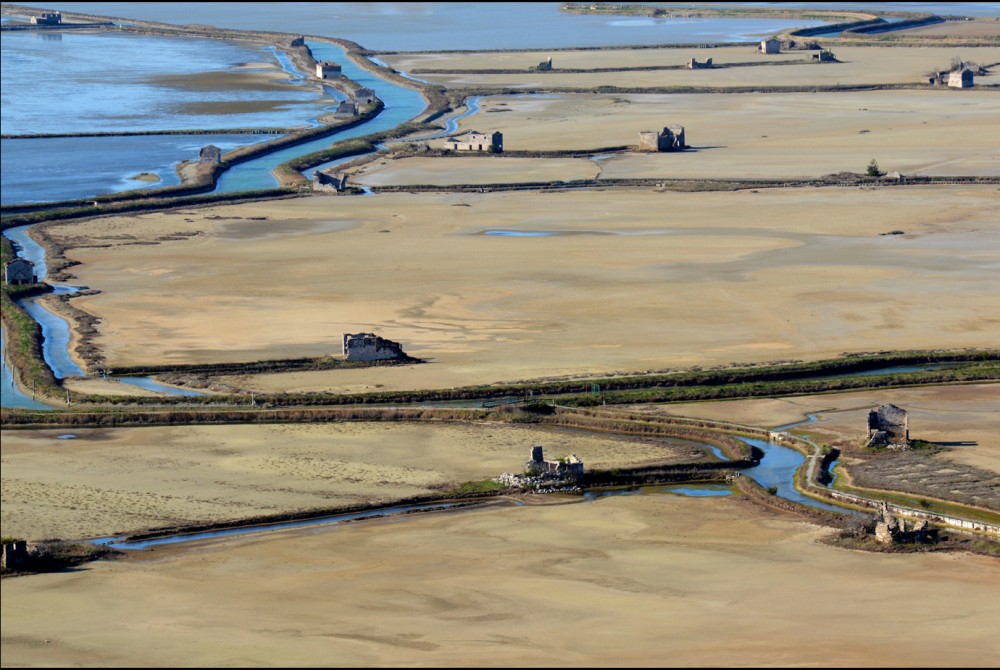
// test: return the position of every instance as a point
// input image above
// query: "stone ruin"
(570, 467)
(19, 271)
(346, 109)
(371, 347)
(544, 66)
(210, 155)
(961, 78)
(670, 138)
(889, 529)
(14, 556)
(693, 64)
(888, 425)
(298, 41)
(364, 96)
(477, 141)
(326, 182)
(824, 56)
(771, 46)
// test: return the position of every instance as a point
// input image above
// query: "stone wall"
(371, 347)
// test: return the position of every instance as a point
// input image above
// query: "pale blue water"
(70, 168)
(10, 395)
(55, 348)
(777, 468)
(401, 105)
(416, 26)
(150, 385)
(105, 82)
(119, 543)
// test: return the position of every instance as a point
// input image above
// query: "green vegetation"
(872, 170)
(484, 487)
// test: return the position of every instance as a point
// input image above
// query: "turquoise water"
(401, 105)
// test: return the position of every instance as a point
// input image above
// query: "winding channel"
(776, 469)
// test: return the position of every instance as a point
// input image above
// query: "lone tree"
(873, 170)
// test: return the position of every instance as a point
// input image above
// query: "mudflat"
(737, 136)
(106, 482)
(625, 280)
(964, 416)
(859, 66)
(644, 580)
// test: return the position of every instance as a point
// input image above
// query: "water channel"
(401, 104)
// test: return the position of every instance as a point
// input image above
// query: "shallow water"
(109, 82)
(401, 104)
(416, 26)
(150, 385)
(70, 168)
(10, 394)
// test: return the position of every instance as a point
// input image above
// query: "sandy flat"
(110, 481)
(966, 417)
(858, 66)
(627, 280)
(477, 170)
(800, 135)
(630, 581)
(978, 27)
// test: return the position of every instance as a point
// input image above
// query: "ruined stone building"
(888, 425)
(771, 46)
(19, 271)
(346, 109)
(961, 78)
(364, 96)
(693, 64)
(824, 56)
(371, 347)
(327, 69)
(210, 155)
(477, 141)
(670, 138)
(299, 41)
(329, 183)
(570, 467)
(47, 19)
(544, 66)
(14, 555)
(890, 529)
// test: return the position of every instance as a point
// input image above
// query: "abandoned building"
(961, 78)
(299, 41)
(888, 425)
(326, 69)
(47, 19)
(477, 141)
(19, 271)
(890, 529)
(210, 155)
(329, 183)
(544, 66)
(671, 138)
(693, 64)
(346, 109)
(570, 467)
(771, 46)
(371, 347)
(364, 96)
(15, 555)
(824, 56)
